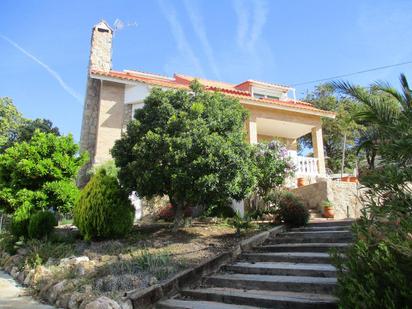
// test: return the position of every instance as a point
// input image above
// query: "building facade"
(112, 96)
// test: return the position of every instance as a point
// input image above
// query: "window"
(259, 95)
(264, 96)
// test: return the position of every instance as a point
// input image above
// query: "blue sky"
(44, 45)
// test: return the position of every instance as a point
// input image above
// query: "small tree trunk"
(178, 216)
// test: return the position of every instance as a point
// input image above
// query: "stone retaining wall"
(344, 196)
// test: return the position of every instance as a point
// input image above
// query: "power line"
(354, 73)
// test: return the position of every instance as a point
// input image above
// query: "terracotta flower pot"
(353, 179)
(328, 212)
(300, 182)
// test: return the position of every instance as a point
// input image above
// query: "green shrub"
(103, 209)
(220, 211)
(8, 242)
(41, 224)
(292, 211)
(61, 195)
(240, 223)
(374, 276)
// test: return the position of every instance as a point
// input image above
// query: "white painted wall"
(136, 93)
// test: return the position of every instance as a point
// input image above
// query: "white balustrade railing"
(304, 165)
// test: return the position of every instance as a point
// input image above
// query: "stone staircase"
(291, 270)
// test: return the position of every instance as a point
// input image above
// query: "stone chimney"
(100, 60)
(101, 47)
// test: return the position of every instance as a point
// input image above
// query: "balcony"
(305, 166)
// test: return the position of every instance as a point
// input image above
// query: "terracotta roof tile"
(182, 82)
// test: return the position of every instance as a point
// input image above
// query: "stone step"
(273, 283)
(321, 228)
(291, 257)
(282, 269)
(197, 304)
(316, 234)
(295, 240)
(264, 299)
(302, 247)
(320, 223)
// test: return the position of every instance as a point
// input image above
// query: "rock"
(75, 300)
(88, 289)
(126, 303)
(83, 268)
(14, 272)
(125, 257)
(29, 277)
(108, 258)
(73, 260)
(20, 277)
(44, 290)
(22, 251)
(153, 280)
(63, 300)
(51, 262)
(40, 274)
(56, 290)
(103, 303)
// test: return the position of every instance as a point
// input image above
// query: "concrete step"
(273, 283)
(323, 223)
(264, 299)
(290, 257)
(321, 228)
(316, 234)
(302, 247)
(282, 269)
(300, 239)
(197, 304)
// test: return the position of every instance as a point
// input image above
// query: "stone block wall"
(344, 196)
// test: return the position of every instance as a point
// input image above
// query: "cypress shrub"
(103, 209)
(292, 211)
(41, 224)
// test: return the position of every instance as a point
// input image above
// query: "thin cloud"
(251, 18)
(53, 73)
(179, 35)
(199, 28)
(250, 26)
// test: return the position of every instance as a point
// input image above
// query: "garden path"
(14, 296)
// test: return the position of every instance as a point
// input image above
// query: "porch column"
(252, 129)
(318, 152)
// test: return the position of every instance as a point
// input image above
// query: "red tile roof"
(180, 81)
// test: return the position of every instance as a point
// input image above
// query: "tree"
(336, 132)
(10, 120)
(187, 145)
(26, 129)
(38, 174)
(373, 102)
(273, 166)
(376, 270)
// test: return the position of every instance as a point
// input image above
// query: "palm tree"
(387, 117)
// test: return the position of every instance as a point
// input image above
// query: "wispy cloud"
(186, 51)
(250, 22)
(49, 70)
(200, 30)
(251, 19)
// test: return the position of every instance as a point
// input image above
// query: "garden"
(187, 151)
(185, 155)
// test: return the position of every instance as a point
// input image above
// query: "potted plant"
(327, 209)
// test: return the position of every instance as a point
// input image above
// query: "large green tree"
(377, 270)
(338, 133)
(189, 145)
(10, 120)
(39, 174)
